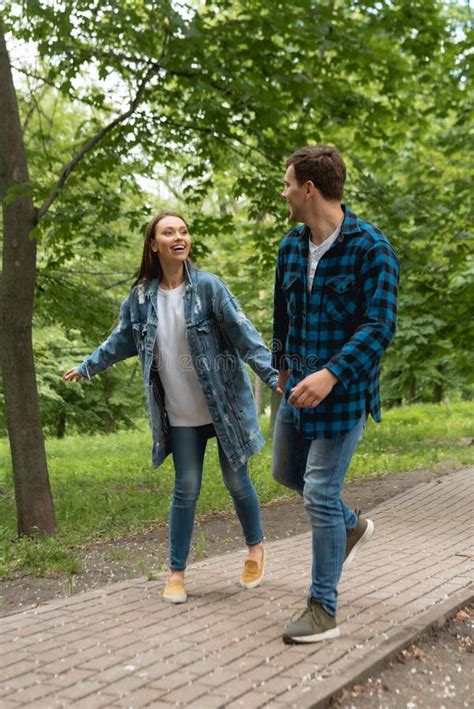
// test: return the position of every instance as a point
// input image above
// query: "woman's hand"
(283, 375)
(72, 375)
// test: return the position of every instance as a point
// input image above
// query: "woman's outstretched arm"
(118, 346)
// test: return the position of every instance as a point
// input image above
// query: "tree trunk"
(438, 393)
(61, 424)
(30, 472)
(411, 389)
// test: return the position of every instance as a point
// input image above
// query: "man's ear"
(311, 189)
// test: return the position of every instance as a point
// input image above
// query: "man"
(335, 311)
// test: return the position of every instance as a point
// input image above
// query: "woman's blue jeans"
(188, 445)
(316, 469)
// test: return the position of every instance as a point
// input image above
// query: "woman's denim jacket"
(220, 340)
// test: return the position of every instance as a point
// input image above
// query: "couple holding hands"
(334, 315)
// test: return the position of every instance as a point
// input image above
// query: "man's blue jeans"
(316, 469)
(188, 444)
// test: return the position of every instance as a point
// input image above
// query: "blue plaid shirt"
(344, 324)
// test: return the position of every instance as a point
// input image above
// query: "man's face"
(295, 195)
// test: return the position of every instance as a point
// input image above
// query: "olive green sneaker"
(356, 537)
(313, 626)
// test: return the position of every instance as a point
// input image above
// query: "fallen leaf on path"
(463, 614)
(414, 652)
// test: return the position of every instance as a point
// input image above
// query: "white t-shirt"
(184, 400)
(317, 252)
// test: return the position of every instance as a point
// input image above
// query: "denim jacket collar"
(151, 288)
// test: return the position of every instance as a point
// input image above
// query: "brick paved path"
(125, 647)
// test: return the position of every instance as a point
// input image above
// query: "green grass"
(117, 554)
(104, 486)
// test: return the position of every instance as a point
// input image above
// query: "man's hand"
(312, 389)
(283, 375)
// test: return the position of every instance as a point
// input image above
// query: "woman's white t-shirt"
(184, 400)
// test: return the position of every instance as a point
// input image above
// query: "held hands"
(312, 389)
(72, 375)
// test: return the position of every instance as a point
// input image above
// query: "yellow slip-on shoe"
(252, 573)
(175, 592)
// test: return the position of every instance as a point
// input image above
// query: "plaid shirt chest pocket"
(343, 297)
(291, 288)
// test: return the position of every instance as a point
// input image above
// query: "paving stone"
(178, 679)
(277, 684)
(263, 672)
(207, 701)
(34, 692)
(217, 677)
(251, 700)
(67, 679)
(141, 698)
(235, 688)
(127, 684)
(244, 664)
(301, 697)
(11, 704)
(97, 701)
(58, 654)
(17, 669)
(116, 672)
(14, 657)
(20, 682)
(73, 659)
(80, 690)
(186, 694)
(207, 666)
(104, 662)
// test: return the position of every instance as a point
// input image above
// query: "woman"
(192, 340)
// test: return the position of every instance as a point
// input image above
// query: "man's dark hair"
(323, 165)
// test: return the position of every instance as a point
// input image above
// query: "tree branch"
(45, 81)
(34, 105)
(92, 142)
(67, 271)
(121, 282)
(188, 74)
(225, 138)
(121, 56)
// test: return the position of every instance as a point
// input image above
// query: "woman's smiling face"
(171, 241)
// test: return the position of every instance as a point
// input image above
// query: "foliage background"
(235, 87)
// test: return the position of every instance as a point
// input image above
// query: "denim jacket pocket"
(341, 297)
(204, 327)
(139, 335)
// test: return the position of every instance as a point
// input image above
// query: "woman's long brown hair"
(150, 266)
